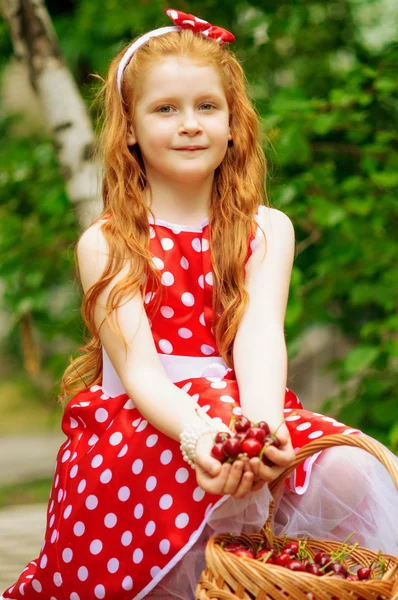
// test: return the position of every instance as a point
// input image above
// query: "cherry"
(270, 552)
(295, 565)
(293, 546)
(242, 424)
(337, 567)
(282, 559)
(272, 441)
(314, 569)
(352, 577)
(232, 447)
(218, 452)
(363, 573)
(251, 447)
(221, 437)
(322, 558)
(256, 433)
(244, 552)
(264, 426)
(266, 461)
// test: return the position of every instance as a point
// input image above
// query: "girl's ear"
(130, 137)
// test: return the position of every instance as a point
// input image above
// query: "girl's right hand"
(215, 478)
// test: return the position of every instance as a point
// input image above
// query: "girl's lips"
(189, 149)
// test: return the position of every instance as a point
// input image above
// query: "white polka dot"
(154, 571)
(201, 281)
(52, 521)
(198, 494)
(336, 424)
(113, 565)
(167, 312)
(127, 538)
(127, 583)
(164, 546)
(167, 278)
(142, 425)
(237, 410)
(165, 501)
(151, 483)
(315, 434)
(73, 423)
(139, 511)
(185, 333)
(95, 546)
(73, 471)
(36, 585)
(209, 278)
(104, 397)
(51, 506)
(21, 589)
(101, 415)
(150, 528)
(95, 388)
(293, 418)
(185, 388)
(82, 486)
(151, 440)
(93, 440)
(99, 591)
(167, 243)
(115, 438)
(106, 476)
(182, 475)
(218, 385)
(65, 456)
(97, 461)
(60, 494)
(43, 562)
(73, 596)
(159, 264)
(110, 520)
(202, 319)
(196, 244)
(136, 422)
(206, 349)
(56, 481)
(67, 555)
(166, 457)
(138, 555)
(348, 431)
(184, 263)
(187, 299)
(123, 451)
(328, 419)
(82, 573)
(137, 466)
(57, 579)
(91, 502)
(124, 493)
(303, 426)
(182, 520)
(152, 233)
(227, 399)
(67, 511)
(205, 244)
(165, 346)
(148, 297)
(79, 528)
(54, 536)
(129, 404)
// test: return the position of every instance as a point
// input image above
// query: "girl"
(186, 278)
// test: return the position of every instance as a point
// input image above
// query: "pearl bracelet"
(196, 429)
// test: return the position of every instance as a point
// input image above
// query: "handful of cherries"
(250, 440)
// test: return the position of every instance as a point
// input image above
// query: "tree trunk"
(35, 43)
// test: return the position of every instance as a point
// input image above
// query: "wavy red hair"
(238, 189)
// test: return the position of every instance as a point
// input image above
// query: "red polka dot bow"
(197, 25)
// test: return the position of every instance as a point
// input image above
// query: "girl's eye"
(210, 105)
(160, 109)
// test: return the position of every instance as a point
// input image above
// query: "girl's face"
(181, 104)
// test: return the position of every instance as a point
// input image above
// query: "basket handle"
(329, 441)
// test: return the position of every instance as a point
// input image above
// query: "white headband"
(137, 44)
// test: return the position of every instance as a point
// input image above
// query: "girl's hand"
(282, 457)
(215, 478)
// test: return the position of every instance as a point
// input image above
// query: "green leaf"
(360, 358)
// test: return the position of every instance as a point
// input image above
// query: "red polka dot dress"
(124, 507)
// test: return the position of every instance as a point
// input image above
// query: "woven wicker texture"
(227, 577)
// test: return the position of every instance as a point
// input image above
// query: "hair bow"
(197, 25)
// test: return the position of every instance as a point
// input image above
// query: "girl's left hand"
(282, 457)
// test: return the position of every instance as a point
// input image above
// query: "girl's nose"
(190, 124)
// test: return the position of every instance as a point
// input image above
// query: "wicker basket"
(227, 577)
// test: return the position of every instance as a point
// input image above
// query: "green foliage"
(324, 83)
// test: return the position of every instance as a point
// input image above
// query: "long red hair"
(238, 189)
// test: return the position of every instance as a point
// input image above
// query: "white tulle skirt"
(349, 490)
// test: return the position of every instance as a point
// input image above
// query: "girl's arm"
(260, 353)
(140, 370)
